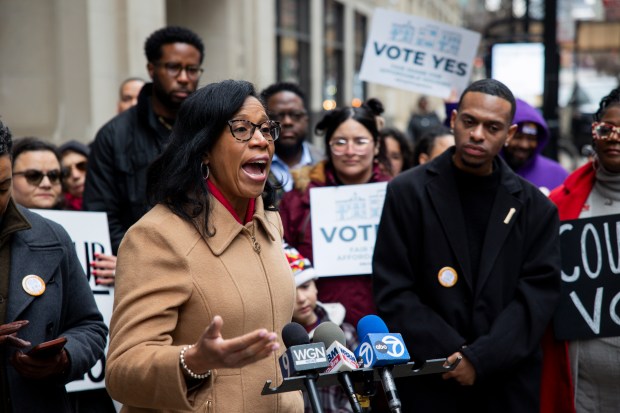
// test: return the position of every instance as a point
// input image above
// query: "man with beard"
(125, 146)
(286, 103)
(523, 151)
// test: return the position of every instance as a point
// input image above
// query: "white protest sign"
(344, 227)
(418, 54)
(89, 232)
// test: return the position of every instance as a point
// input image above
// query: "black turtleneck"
(477, 194)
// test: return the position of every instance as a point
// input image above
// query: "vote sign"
(590, 301)
(344, 227)
(418, 54)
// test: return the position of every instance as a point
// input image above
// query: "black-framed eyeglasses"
(295, 115)
(34, 177)
(604, 131)
(243, 130)
(175, 69)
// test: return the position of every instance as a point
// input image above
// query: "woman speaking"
(202, 283)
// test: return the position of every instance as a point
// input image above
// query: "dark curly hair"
(612, 99)
(32, 144)
(375, 105)
(167, 35)
(426, 144)
(6, 141)
(271, 90)
(403, 144)
(175, 178)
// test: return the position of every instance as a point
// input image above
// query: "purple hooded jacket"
(539, 170)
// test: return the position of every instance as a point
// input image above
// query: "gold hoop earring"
(205, 176)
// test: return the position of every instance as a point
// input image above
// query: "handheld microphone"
(303, 358)
(379, 348)
(341, 359)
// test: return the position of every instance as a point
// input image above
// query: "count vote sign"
(344, 227)
(417, 54)
(590, 301)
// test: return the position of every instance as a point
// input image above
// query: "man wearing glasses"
(286, 103)
(126, 145)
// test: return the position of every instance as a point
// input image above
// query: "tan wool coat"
(170, 283)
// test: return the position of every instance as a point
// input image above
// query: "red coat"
(573, 193)
(557, 393)
(354, 292)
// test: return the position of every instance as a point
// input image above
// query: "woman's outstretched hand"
(212, 351)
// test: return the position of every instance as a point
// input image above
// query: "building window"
(293, 42)
(360, 29)
(334, 55)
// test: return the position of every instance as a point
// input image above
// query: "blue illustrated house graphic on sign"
(357, 207)
(428, 36)
(352, 208)
(402, 33)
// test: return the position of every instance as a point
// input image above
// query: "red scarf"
(73, 203)
(220, 197)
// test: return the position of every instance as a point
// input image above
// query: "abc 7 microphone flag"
(382, 349)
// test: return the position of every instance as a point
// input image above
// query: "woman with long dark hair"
(202, 283)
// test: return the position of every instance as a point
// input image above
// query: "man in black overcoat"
(467, 265)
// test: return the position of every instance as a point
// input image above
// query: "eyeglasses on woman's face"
(243, 130)
(605, 131)
(339, 146)
(34, 177)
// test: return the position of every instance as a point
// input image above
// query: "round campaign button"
(33, 285)
(447, 277)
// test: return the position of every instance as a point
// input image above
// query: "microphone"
(341, 359)
(379, 348)
(300, 355)
(303, 359)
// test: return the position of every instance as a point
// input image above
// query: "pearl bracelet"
(187, 369)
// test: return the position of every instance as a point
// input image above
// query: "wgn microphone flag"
(300, 355)
(379, 348)
(303, 359)
(341, 359)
